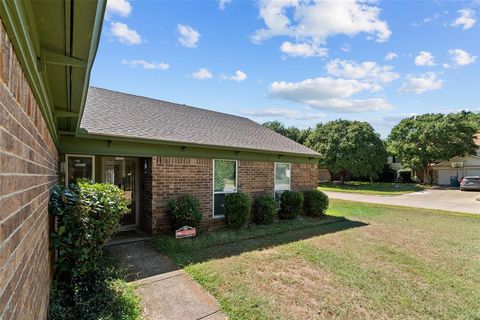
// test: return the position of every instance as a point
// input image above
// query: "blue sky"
(299, 62)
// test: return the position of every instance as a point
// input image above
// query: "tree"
(420, 141)
(292, 132)
(349, 147)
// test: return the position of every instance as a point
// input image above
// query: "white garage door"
(472, 172)
(444, 176)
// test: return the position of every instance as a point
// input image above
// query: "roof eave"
(83, 134)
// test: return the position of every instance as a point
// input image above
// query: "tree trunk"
(343, 175)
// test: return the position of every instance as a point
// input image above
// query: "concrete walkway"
(437, 199)
(166, 292)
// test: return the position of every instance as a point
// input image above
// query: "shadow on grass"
(225, 243)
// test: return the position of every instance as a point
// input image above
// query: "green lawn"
(365, 262)
(379, 188)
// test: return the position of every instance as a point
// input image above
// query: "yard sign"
(185, 232)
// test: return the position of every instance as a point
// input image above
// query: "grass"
(104, 295)
(379, 188)
(365, 261)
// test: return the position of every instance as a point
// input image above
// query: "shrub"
(315, 203)
(86, 215)
(184, 211)
(237, 209)
(101, 295)
(291, 204)
(405, 176)
(264, 209)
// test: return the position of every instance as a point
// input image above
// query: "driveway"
(438, 199)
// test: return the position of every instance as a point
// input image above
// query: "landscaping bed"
(375, 262)
(379, 188)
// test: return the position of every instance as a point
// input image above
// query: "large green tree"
(420, 141)
(349, 147)
(292, 133)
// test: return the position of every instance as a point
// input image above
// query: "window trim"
(91, 156)
(222, 192)
(275, 178)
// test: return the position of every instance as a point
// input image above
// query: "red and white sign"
(185, 232)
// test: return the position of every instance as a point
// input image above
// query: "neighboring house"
(394, 163)
(324, 174)
(458, 167)
(154, 150)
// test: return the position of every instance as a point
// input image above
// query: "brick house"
(48, 136)
(156, 150)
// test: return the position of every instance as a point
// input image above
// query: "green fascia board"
(22, 30)
(97, 28)
(142, 148)
(14, 16)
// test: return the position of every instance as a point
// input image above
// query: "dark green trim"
(14, 17)
(189, 145)
(106, 147)
(97, 28)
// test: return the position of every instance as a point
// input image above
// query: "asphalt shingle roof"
(119, 114)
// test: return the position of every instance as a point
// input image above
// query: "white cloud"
(329, 94)
(345, 47)
(146, 64)
(188, 37)
(425, 58)
(303, 49)
(122, 8)
(223, 3)
(313, 22)
(461, 57)
(202, 74)
(421, 83)
(239, 76)
(367, 70)
(466, 19)
(124, 34)
(282, 113)
(391, 56)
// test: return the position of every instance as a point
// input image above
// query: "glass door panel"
(122, 173)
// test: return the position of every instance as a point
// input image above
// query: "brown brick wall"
(28, 170)
(256, 177)
(175, 176)
(146, 213)
(304, 176)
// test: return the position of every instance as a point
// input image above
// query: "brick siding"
(304, 176)
(28, 170)
(174, 176)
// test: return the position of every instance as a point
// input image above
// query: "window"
(79, 167)
(283, 173)
(224, 181)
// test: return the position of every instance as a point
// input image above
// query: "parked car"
(470, 183)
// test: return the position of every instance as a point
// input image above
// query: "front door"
(123, 172)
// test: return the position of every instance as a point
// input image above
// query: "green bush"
(315, 203)
(86, 215)
(291, 204)
(237, 209)
(405, 176)
(184, 211)
(100, 295)
(264, 209)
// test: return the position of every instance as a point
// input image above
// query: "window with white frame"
(79, 167)
(283, 172)
(224, 182)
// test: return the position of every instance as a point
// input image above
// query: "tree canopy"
(422, 140)
(349, 147)
(292, 133)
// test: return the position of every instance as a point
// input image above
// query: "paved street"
(439, 199)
